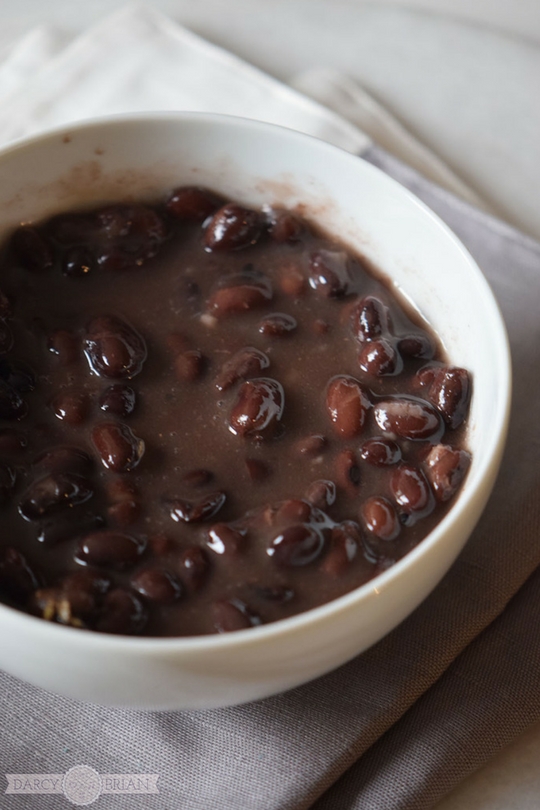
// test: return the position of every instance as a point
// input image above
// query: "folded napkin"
(401, 724)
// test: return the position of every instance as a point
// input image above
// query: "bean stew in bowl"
(223, 408)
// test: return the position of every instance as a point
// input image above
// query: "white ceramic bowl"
(256, 163)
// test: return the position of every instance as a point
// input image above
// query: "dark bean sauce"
(210, 418)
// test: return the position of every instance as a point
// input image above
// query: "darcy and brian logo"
(81, 785)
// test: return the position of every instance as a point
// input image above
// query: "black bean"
(233, 614)
(296, 546)
(370, 319)
(380, 452)
(321, 494)
(232, 227)
(241, 294)
(118, 399)
(347, 403)
(157, 585)
(408, 418)
(344, 544)
(110, 549)
(450, 392)
(311, 446)
(121, 612)
(54, 493)
(193, 566)
(258, 407)
(446, 468)
(418, 345)
(193, 204)
(118, 447)
(68, 526)
(379, 518)
(379, 358)
(66, 345)
(183, 510)
(330, 273)
(63, 459)
(411, 490)
(225, 540)
(278, 324)
(248, 362)
(71, 407)
(113, 348)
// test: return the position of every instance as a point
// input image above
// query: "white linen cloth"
(138, 59)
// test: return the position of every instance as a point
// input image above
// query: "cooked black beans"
(211, 417)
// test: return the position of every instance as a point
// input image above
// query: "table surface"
(467, 91)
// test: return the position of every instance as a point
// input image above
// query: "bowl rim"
(282, 627)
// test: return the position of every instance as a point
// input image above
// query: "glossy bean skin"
(370, 319)
(411, 490)
(232, 227)
(345, 544)
(330, 273)
(347, 404)
(193, 567)
(284, 227)
(63, 458)
(54, 493)
(118, 399)
(248, 362)
(379, 358)
(321, 494)
(71, 407)
(183, 510)
(409, 418)
(446, 468)
(258, 407)
(278, 324)
(379, 518)
(119, 449)
(295, 546)
(381, 452)
(110, 549)
(450, 392)
(113, 348)
(225, 540)
(157, 585)
(233, 614)
(193, 204)
(240, 295)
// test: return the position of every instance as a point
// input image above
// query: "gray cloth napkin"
(398, 726)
